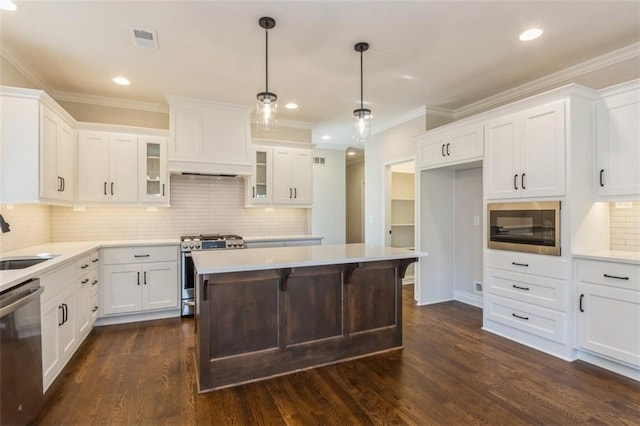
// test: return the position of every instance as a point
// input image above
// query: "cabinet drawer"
(542, 291)
(609, 273)
(536, 264)
(56, 282)
(548, 324)
(139, 254)
(87, 264)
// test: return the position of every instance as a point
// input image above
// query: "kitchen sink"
(22, 262)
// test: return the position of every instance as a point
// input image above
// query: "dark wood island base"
(253, 325)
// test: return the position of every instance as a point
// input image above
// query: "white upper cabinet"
(209, 137)
(154, 177)
(450, 146)
(292, 176)
(259, 186)
(57, 172)
(525, 153)
(37, 148)
(107, 167)
(618, 141)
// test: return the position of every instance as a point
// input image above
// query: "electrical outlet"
(476, 220)
(477, 286)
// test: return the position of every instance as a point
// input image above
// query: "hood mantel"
(209, 137)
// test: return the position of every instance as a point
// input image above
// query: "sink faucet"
(4, 226)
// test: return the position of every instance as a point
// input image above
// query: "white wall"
(392, 145)
(328, 215)
(468, 246)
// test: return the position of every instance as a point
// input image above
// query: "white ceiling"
(445, 54)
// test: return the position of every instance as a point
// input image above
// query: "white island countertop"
(631, 257)
(256, 259)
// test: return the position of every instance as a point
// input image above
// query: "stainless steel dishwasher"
(20, 354)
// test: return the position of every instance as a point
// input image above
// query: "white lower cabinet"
(87, 273)
(526, 300)
(59, 321)
(135, 280)
(608, 314)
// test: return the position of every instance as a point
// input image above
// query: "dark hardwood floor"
(450, 372)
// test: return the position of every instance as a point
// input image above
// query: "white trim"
(410, 115)
(137, 317)
(545, 82)
(110, 102)
(293, 124)
(26, 70)
(334, 147)
(440, 112)
(468, 298)
(117, 128)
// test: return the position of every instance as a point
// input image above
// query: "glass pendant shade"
(361, 124)
(266, 110)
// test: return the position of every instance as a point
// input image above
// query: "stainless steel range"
(191, 243)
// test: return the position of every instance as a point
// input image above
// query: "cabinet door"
(93, 171)
(452, 146)
(68, 331)
(609, 322)
(51, 317)
(282, 176)
(160, 286)
(542, 156)
(259, 185)
(84, 308)
(618, 149)
(302, 177)
(502, 168)
(121, 287)
(153, 180)
(123, 168)
(56, 148)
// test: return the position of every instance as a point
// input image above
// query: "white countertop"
(283, 238)
(66, 252)
(631, 257)
(255, 259)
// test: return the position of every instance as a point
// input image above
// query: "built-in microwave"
(531, 227)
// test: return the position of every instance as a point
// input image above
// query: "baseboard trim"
(143, 316)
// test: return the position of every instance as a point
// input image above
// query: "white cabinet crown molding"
(117, 128)
(40, 95)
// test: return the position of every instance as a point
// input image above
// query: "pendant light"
(267, 106)
(362, 115)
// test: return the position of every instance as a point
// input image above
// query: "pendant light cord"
(266, 59)
(361, 83)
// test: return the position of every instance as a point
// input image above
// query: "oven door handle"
(6, 310)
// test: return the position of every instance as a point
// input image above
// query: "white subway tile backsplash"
(30, 226)
(625, 227)
(198, 205)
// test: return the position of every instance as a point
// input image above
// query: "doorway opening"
(355, 195)
(400, 210)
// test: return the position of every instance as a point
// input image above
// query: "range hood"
(209, 138)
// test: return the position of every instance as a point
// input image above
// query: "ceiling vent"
(144, 38)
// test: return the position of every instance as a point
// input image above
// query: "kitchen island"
(265, 312)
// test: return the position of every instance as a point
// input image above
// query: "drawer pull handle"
(95, 308)
(518, 316)
(520, 288)
(95, 260)
(580, 303)
(616, 277)
(140, 255)
(84, 266)
(86, 280)
(526, 265)
(94, 282)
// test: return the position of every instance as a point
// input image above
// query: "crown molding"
(440, 112)
(110, 102)
(547, 81)
(410, 115)
(38, 80)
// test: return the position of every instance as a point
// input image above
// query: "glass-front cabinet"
(154, 179)
(258, 191)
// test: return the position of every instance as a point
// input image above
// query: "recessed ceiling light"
(407, 77)
(121, 81)
(351, 153)
(291, 105)
(530, 34)
(8, 5)
(325, 137)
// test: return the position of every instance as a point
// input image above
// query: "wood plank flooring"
(450, 372)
